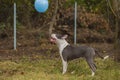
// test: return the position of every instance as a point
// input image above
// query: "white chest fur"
(62, 46)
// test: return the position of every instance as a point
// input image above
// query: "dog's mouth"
(53, 40)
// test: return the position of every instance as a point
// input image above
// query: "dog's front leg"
(64, 66)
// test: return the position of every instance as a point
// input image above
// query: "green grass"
(51, 69)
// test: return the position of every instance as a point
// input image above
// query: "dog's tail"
(96, 51)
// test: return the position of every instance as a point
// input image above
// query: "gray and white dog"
(68, 52)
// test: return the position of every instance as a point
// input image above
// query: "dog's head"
(58, 38)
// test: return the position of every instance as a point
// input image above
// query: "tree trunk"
(116, 5)
(53, 19)
(117, 40)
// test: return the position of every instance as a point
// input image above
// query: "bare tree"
(116, 9)
(54, 18)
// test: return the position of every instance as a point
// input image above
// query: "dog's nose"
(51, 40)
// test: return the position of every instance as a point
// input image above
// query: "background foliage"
(94, 15)
(26, 14)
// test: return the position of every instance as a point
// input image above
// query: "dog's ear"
(65, 36)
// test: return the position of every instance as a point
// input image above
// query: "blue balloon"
(41, 5)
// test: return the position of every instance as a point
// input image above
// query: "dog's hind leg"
(92, 65)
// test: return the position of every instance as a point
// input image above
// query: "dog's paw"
(92, 74)
(72, 72)
(63, 73)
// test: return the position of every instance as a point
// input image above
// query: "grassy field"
(51, 69)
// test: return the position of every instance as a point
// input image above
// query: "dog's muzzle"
(53, 40)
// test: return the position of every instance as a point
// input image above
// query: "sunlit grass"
(51, 69)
